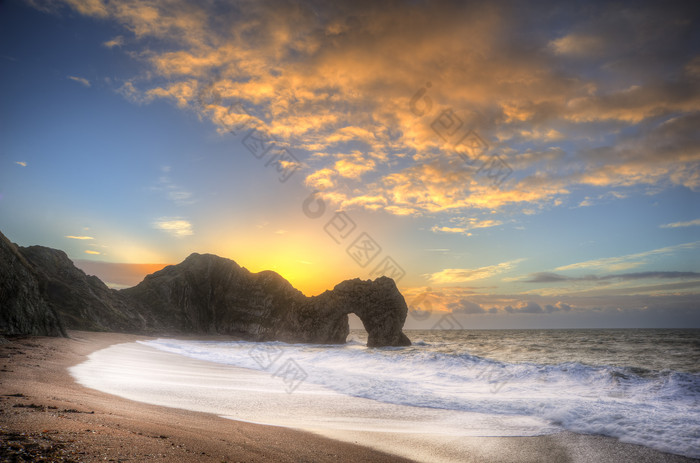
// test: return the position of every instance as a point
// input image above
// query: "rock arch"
(379, 305)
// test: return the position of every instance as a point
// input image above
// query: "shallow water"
(641, 386)
(145, 374)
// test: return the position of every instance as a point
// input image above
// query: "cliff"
(82, 301)
(23, 309)
(211, 294)
(41, 291)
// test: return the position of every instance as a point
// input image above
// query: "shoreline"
(45, 412)
(59, 417)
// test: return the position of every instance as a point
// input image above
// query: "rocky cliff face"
(83, 301)
(210, 294)
(23, 310)
(41, 291)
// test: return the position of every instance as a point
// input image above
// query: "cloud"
(649, 306)
(81, 80)
(466, 307)
(460, 275)
(689, 223)
(21, 163)
(650, 275)
(563, 306)
(546, 277)
(614, 290)
(173, 192)
(464, 225)
(529, 307)
(444, 186)
(437, 229)
(72, 237)
(175, 226)
(576, 44)
(89, 7)
(353, 165)
(331, 79)
(88, 251)
(180, 197)
(627, 261)
(117, 41)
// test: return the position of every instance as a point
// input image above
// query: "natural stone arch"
(378, 304)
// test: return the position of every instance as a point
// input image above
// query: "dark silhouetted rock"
(41, 287)
(23, 310)
(210, 294)
(379, 305)
(83, 301)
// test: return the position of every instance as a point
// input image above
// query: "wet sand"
(45, 412)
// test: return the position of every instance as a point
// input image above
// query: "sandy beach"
(45, 413)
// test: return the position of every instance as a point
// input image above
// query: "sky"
(510, 165)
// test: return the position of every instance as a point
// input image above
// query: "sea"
(641, 386)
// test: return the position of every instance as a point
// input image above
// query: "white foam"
(658, 409)
(142, 373)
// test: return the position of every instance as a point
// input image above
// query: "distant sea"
(639, 385)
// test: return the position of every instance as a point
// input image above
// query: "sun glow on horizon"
(310, 274)
(533, 166)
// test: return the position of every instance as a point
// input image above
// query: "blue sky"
(548, 175)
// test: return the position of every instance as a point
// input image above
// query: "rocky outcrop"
(23, 309)
(379, 305)
(210, 294)
(83, 301)
(41, 291)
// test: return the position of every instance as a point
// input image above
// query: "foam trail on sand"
(655, 408)
(142, 373)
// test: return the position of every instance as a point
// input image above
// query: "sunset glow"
(516, 166)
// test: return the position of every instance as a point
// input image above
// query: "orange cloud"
(80, 80)
(464, 225)
(338, 79)
(461, 275)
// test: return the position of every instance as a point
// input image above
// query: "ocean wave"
(659, 409)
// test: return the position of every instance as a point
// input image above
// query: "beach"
(56, 417)
(44, 411)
